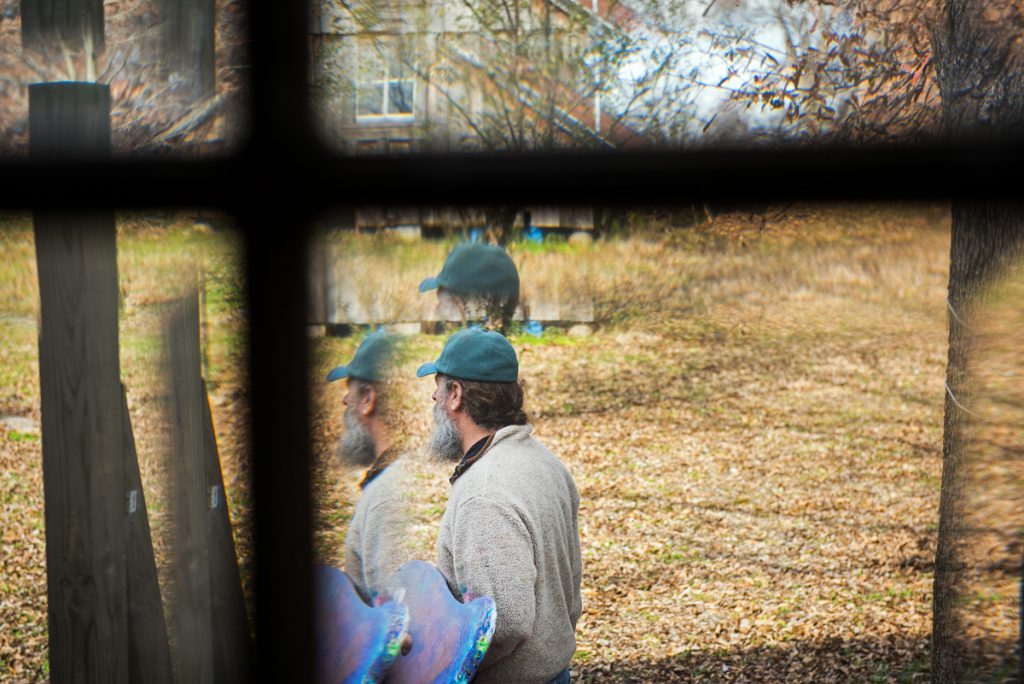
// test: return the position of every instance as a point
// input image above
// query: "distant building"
(431, 75)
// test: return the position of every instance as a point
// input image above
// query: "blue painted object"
(533, 328)
(449, 638)
(476, 234)
(355, 643)
(534, 234)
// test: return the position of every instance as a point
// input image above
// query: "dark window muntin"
(281, 177)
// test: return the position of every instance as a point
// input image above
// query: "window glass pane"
(628, 74)
(383, 60)
(400, 97)
(749, 400)
(371, 98)
(176, 71)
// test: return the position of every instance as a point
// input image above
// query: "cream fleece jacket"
(510, 531)
(377, 540)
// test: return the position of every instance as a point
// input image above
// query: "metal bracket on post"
(131, 502)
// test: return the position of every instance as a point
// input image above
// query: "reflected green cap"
(478, 355)
(477, 269)
(371, 361)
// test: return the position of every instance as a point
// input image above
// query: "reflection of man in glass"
(376, 541)
(477, 282)
(510, 528)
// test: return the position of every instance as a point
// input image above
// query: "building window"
(385, 83)
(399, 146)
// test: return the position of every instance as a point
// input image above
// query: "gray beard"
(445, 441)
(356, 448)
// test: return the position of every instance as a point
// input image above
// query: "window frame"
(276, 228)
(388, 55)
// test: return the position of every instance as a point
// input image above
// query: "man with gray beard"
(510, 527)
(375, 545)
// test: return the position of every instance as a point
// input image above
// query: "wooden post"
(194, 606)
(69, 120)
(233, 645)
(80, 388)
(83, 470)
(213, 631)
(189, 30)
(149, 659)
(318, 270)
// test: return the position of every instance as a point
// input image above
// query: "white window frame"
(382, 49)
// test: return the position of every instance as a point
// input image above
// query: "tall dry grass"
(811, 257)
(382, 272)
(19, 294)
(815, 254)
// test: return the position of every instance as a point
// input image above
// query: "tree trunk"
(985, 236)
(982, 87)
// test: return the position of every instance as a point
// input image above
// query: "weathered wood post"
(149, 657)
(212, 628)
(105, 615)
(80, 388)
(232, 643)
(192, 548)
(188, 43)
(318, 270)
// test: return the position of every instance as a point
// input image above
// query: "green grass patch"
(552, 336)
(978, 598)
(552, 243)
(15, 436)
(680, 556)
(18, 283)
(138, 345)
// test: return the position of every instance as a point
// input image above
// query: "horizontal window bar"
(313, 178)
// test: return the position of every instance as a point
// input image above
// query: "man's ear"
(455, 396)
(368, 402)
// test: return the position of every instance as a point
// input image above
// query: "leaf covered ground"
(755, 428)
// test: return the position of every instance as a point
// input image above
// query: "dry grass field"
(755, 428)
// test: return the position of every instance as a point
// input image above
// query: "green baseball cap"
(477, 269)
(474, 354)
(371, 360)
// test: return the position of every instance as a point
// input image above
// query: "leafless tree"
(812, 71)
